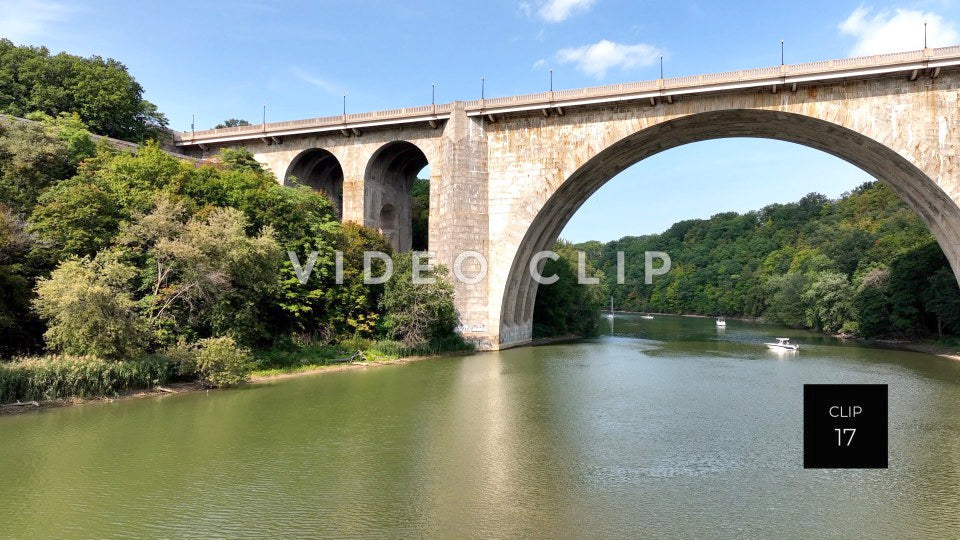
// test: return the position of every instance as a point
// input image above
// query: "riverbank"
(693, 315)
(922, 346)
(927, 347)
(267, 375)
(260, 376)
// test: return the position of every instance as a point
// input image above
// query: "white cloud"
(539, 63)
(900, 30)
(24, 20)
(604, 55)
(561, 10)
(314, 80)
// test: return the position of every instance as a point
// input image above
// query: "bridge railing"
(318, 122)
(558, 97)
(743, 75)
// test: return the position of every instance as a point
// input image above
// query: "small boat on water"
(783, 344)
(721, 322)
(646, 316)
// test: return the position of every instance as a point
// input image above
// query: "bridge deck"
(807, 73)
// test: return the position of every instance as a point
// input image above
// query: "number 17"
(841, 433)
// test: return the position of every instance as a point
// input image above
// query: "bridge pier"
(459, 223)
(353, 199)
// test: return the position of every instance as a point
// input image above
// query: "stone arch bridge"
(508, 173)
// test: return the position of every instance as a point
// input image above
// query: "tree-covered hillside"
(864, 264)
(101, 92)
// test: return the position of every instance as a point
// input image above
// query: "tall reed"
(63, 376)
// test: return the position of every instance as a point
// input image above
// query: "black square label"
(845, 426)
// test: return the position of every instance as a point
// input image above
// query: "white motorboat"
(646, 316)
(783, 344)
(721, 322)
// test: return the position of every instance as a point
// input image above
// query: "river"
(666, 427)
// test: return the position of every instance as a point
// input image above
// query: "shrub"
(183, 358)
(221, 362)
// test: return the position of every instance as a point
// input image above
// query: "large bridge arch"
(387, 190)
(542, 215)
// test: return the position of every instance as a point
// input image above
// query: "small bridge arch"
(321, 170)
(388, 183)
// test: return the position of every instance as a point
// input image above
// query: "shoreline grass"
(63, 378)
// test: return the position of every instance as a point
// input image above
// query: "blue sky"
(228, 59)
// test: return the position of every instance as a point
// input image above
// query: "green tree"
(221, 362)
(89, 309)
(829, 300)
(871, 303)
(32, 158)
(205, 274)
(787, 304)
(942, 298)
(17, 322)
(766, 262)
(134, 178)
(105, 96)
(76, 217)
(208, 242)
(357, 301)
(70, 129)
(419, 314)
(231, 122)
(909, 274)
(240, 159)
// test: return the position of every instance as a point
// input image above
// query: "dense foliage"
(862, 264)
(111, 257)
(114, 255)
(566, 307)
(104, 95)
(419, 313)
(420, 214)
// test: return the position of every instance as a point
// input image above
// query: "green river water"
(666, 427)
